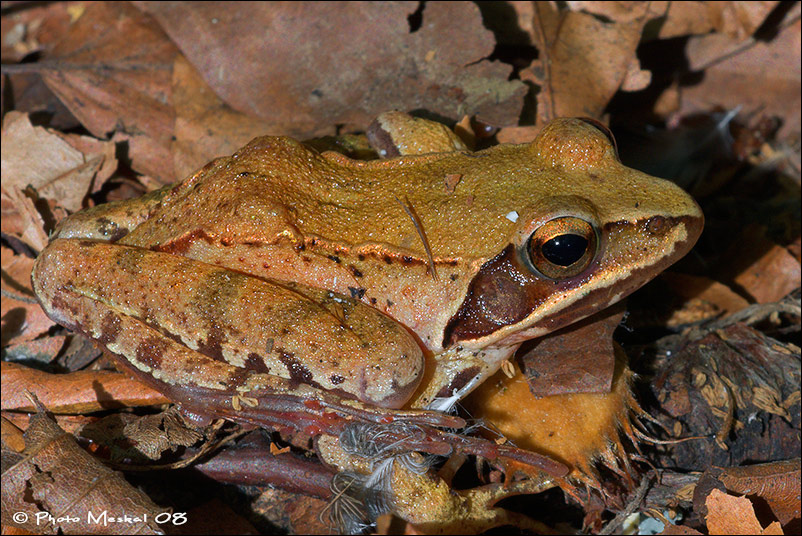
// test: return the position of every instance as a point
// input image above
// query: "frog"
(304, 290)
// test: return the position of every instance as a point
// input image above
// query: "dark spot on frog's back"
(180, 245)
(356, 293)
(110, 229)
(337, 379)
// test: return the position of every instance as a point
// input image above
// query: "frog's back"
(276, 190)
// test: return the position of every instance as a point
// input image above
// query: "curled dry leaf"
(35, 156)
(585, 60)
(777, 483)
(142, 438)
(58, 478)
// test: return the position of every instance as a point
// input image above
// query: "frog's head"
(589, 232)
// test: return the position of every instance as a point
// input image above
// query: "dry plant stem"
(255, 465)
(634, 503)
(18, 297)
(408, 208)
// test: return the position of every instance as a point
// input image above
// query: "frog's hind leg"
(217, 340)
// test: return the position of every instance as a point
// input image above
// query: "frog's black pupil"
(565, 249)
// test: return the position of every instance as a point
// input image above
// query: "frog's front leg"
(210, 337)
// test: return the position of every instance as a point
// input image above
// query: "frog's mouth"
(507, 301)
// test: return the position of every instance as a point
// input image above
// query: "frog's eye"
(562, 247)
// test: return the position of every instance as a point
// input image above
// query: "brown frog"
(289, 287)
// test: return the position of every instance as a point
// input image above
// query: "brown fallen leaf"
(23, 318)
(759, 267)
(36, 29)
(113, 70)
(140, 438)
(293, 512)
(727, 514)
(576, 359)
(777, 483)
(57, 485)
(205, 126)
(724, 299)
(584, 60)
(40, 158)
(75, 392)
(756, 76)
(735, 19)
(430, 66)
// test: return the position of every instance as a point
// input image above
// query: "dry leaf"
(326, 83)
(76, 392)
(114, 72)
(777, 483)
(734, 515)
(205, 127)
(760, 77)
(759, 267)
(585, 60)
(576, 359)
(59, 478)
(738, 20)
(703, 288)
(23, 319)
(37, 157)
